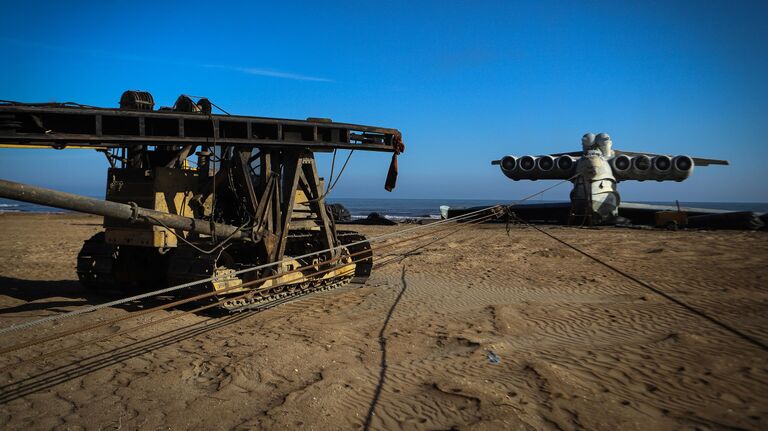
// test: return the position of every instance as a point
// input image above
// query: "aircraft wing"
(696, 160)
(705, 162)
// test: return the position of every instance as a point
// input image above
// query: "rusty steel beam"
(83, 204)
(61, 127)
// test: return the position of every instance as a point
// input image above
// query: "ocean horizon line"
(415, 208)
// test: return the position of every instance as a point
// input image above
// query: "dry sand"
(579, 346)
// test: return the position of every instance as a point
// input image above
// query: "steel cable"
(689, 308)
(70, 314)
(92, 308)
(48, 354)
(209, 294)
(210, 279)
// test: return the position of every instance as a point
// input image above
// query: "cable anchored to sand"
(96, 325)
(728, 328)
(469, 219)
(92, 308)
(32, 323)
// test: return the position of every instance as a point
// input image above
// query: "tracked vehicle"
(194, 195)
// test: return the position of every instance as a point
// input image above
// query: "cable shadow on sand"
(383, 347)
(75, 368)
(98, 361)
(382, 337)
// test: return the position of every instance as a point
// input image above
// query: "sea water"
(418, 208)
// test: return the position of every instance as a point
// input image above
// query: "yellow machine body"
(162, 189)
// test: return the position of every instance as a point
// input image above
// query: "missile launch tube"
(83, 204)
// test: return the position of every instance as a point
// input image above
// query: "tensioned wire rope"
(32, 323)
(269, 304)
(14, 388)
(214, 293)
(77, 312)
(691, 309)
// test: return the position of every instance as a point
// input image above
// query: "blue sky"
(466, 82)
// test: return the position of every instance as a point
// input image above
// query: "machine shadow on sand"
(75, 294)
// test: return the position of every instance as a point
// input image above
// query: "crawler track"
(261, 298)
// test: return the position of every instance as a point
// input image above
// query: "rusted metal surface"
(252, 197)
(62, 126)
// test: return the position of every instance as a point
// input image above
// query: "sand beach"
(482, 329)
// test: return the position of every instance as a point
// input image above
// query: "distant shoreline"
(398, 209)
